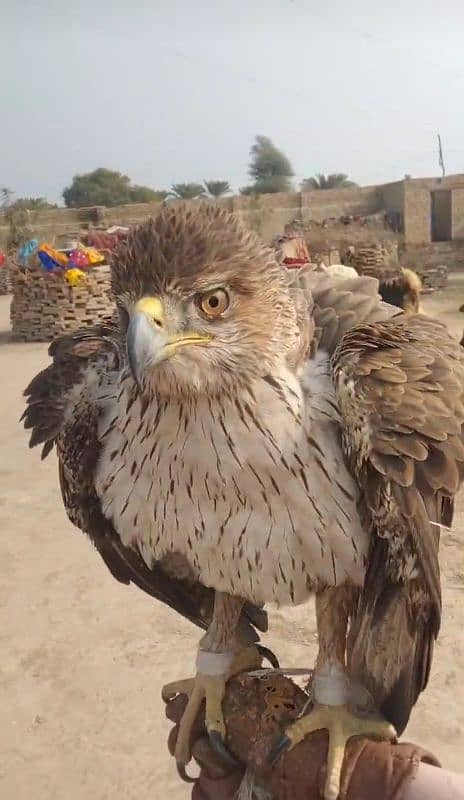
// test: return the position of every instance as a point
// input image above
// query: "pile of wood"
(325, 256)
(398, 286)
(381, 261)
(44, 305)
(369, 260)
(433, 277)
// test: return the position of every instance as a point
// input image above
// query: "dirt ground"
(83, 659)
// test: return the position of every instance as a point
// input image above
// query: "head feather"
(184, 248)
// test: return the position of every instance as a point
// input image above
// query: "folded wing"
(400, 387)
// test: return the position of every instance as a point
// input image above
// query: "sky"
(171, 91)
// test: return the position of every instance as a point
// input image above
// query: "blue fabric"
(47, 261)
(27, 250)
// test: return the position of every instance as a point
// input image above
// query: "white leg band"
(331, 685)
(214, 663)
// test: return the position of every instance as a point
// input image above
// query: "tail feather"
(390, 653)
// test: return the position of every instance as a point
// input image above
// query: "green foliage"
(187, 191)
(217, 188)
(142, 194)
(247, 190)
(106, 187)
(337, 180)
(269, 167)
(272, 184)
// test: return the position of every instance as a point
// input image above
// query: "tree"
(105, 187)
(336, 180)
(217, 188)
(187, 191)
(269, 167)
(142, 194)
(247, 190)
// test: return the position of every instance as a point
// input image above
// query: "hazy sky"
(171, 90)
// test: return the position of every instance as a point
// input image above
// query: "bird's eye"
(213, 304)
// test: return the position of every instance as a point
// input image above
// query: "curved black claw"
(282, 744)
(266, 653)
(183, 774)
(217, 743)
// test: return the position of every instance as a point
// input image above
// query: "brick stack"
(5, 280)
(45, 306)
(373, 259)
(433, 277)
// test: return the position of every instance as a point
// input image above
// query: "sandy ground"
(83, 659)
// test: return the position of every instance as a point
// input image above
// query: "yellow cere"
(152, 306)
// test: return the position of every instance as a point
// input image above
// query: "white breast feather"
(259, 501)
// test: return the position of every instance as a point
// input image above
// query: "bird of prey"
(234, 436)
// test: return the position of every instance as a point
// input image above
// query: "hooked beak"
(149, 342)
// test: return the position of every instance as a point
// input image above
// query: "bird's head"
(203, 304)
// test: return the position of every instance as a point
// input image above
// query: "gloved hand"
(256, 711)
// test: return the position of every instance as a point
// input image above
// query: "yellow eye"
(214, 303)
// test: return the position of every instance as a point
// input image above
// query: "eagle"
(232, 438)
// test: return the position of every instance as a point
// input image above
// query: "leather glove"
(256, 712)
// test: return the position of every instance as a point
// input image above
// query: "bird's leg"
(220, 656)
(333, 696)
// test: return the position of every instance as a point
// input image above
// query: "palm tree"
(336, 180)
(217, 188)
(187, 191)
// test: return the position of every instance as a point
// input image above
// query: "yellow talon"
(341, 724)
(210, 688)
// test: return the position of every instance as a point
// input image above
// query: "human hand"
(256, 710)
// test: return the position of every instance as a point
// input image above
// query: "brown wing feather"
(49, 394)
(60, 412)
(400, 385)
(339, 304)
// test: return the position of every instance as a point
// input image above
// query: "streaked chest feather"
(252, 491)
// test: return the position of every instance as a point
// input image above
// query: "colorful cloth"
(51, 258)
(106, 241)
(27, 250)
(47, 261)
(74, 276)
(94, 256)
(79, 258)
(293, 263)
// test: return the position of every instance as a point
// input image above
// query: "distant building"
(426, 209)
(421, 211)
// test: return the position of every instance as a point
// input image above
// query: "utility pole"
(440, 156)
